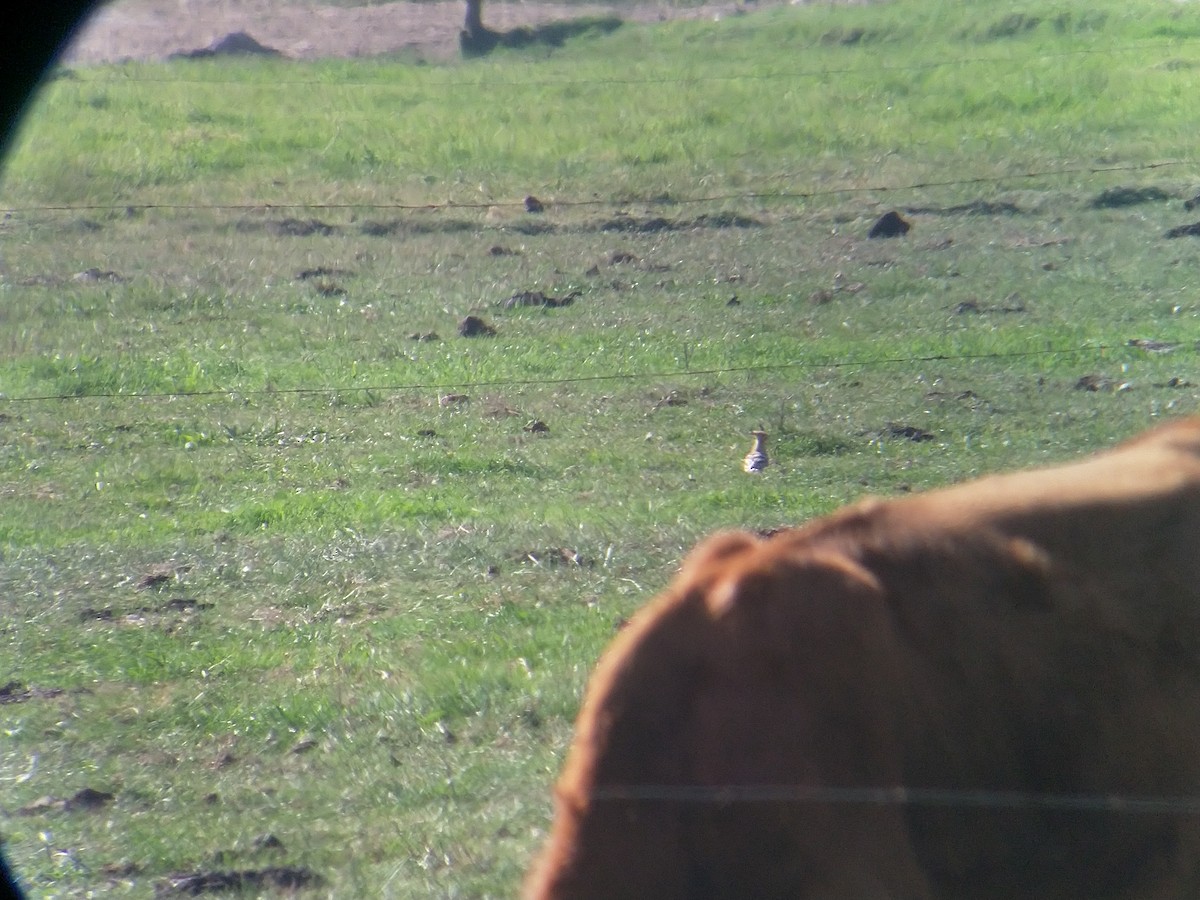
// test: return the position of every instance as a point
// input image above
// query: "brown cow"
(990, 691)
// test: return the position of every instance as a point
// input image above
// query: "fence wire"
(720, 795)
(755, 194)
(442, 386)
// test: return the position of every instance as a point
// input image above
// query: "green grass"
(645, 111)
(360, 569)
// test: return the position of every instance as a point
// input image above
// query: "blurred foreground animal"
(990, 691)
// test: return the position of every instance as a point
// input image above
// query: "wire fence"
(720, 795)
(762, 193)
(1095, 350)
(1091, 349)
(765, 191)
(754, 194)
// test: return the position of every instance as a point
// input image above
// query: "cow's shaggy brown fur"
(1015, 653)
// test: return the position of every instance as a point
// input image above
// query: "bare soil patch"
(151, 30)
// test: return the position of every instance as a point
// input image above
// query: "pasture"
(299, 588)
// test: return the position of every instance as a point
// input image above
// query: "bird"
(756, 460)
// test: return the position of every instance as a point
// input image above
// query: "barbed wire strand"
(440, 386)
(900, 796)
(645, 201)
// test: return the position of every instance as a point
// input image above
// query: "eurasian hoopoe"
(756, 460)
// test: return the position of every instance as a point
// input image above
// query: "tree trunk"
(474, 23)
(475, 39)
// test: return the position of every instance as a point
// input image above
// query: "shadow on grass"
(483, 41)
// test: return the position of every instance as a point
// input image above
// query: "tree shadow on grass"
(482, 41)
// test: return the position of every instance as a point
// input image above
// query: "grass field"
(291, 581)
